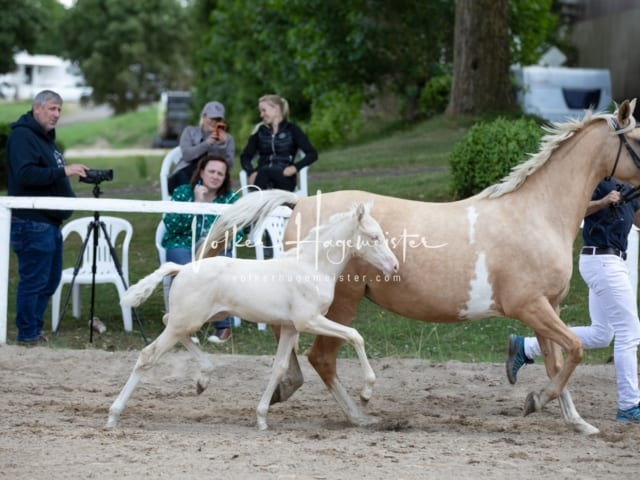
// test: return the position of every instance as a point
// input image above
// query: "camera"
(97, 176)
(220, 127)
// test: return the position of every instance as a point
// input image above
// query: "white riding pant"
(613, 312)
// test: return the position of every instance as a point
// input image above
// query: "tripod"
(93, 230)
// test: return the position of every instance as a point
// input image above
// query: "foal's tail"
(252, 208)
(138, 293)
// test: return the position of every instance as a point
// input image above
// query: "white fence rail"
(151, 206)
(85, 204)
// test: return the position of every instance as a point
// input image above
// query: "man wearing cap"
(210, 137)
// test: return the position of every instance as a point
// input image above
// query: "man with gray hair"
(37, 169)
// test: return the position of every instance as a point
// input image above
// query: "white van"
(559, 93)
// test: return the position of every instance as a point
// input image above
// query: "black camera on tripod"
(97, 176)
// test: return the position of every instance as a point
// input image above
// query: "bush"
(434, 97)
(336, 118)
(489, 151)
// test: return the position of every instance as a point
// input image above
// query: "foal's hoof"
(365, 395)
(532, 404)
(201, 386)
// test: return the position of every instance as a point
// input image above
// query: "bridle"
(632, 193)
(623, 142)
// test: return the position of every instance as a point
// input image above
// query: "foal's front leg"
(288, 337)
(321, 325)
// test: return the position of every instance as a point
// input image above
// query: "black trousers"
(271, 176)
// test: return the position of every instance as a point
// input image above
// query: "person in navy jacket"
(37, 169)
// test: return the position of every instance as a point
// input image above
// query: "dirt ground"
(450, 420)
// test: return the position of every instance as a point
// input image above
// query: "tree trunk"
(481, 58)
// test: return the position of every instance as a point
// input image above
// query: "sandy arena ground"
(449, 421)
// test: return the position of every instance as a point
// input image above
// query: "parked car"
(174, 113)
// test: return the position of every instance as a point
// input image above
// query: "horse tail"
(252, 208)
(138, 293)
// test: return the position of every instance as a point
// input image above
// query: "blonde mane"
(323, 232)
(556, 134)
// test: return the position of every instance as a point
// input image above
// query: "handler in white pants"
(612, 301)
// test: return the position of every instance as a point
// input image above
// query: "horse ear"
(360, 211)
(624, 111)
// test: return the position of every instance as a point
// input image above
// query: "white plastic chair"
(301, 188)
(106, 271)
(275, 227)
(162, 258)
(170, 160)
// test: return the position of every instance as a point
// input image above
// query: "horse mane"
(557, 132)
(319, 232)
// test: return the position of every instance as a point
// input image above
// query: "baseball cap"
(213, 110)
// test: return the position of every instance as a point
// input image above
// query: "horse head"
(369, 241)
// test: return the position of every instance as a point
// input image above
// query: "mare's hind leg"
(553, 363)
(292, 380)
(148, 356)
(544, 319)
(288, 336)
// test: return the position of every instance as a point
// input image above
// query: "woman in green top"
(211, 182)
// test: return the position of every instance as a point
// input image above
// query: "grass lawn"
(411, 163)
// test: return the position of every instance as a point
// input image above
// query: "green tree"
(21, 24)
(129, 52)
(317, 53)
(49, 39)
(481, 81)
(244, 55)
(330, 58)
(531, 25)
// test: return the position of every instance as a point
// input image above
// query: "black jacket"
(36, 169)
(278, 149)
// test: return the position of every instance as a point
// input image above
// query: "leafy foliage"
(319, 52)
(129, 52)
(532, 24)
(21, 24)
(489, 151)
(53, 29)
(435, 95)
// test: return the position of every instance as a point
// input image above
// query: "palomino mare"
(293, 291)
(506, 251)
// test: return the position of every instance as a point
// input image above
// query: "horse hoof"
(366, 395)
(586, 429)
(200, 387)
(290, 383)
(532, 404)
(111, 422)
(366, 421)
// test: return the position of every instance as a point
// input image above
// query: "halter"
(635, 191)
(623, 141)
